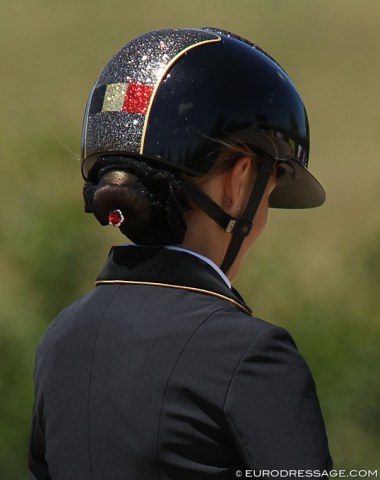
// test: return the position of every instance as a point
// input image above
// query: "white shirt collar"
(205, 259)
(202, 257)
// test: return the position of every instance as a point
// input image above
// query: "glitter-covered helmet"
(175, 96)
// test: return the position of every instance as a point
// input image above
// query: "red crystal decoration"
(137, 98)
(115, 218)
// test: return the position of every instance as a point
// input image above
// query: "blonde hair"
(228, 155)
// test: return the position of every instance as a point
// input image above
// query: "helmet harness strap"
(239, 227)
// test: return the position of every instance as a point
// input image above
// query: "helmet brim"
(297, 189)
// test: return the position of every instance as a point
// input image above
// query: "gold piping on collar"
(179, 287)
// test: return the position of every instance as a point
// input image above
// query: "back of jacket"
(146, 379)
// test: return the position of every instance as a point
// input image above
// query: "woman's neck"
(205, 237)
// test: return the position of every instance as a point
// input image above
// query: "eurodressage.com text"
(306, 474)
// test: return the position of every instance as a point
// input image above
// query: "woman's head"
(188, 102)
(155, 207)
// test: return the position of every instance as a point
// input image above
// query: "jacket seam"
(168, 382)
(90, 376)
(240, 361)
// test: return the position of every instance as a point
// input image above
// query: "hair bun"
(149, 199)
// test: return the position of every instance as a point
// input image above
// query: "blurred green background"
(316, 272)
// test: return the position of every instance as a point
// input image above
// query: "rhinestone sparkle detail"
(116, 218)
(136, 69)
(137, 98)
(114, 97)
(127, 97)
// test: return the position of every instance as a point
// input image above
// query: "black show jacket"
(162, 373)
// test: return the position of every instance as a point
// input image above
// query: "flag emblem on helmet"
(127, 97)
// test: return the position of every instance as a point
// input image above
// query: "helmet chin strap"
(239, 227)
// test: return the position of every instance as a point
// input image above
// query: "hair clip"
(115, 218)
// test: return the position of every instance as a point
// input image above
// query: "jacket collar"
(169, 268)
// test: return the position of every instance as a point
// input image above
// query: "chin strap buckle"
(237, 225)
(230, 226)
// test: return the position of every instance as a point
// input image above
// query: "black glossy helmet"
(173, 97)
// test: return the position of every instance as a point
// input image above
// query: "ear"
(239, 183)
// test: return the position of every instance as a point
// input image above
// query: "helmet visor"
(296, 187)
